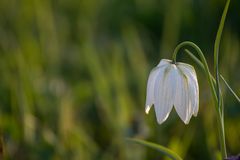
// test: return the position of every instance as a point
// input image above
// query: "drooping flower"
(173, 84)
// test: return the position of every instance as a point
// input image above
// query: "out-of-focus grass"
(73, 77)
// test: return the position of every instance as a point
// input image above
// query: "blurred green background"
(73, 77)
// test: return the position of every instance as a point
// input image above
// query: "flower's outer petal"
(150, 89)
(190, 73)
(164, 92)
(164, 62)
(150, 85)
(181, 101)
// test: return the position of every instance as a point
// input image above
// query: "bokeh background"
(73, 77)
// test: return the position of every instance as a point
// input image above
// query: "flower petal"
(190, 73)
(164, 62)
(181, 101)
(151, 83)
(150, 89)
(164, 92)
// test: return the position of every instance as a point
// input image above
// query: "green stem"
(213, 90)
(216, 47)
(216, 68)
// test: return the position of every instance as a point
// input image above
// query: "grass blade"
(219, 34)
(171, 154)
(230, 89)
(199, 63)
(216, 64)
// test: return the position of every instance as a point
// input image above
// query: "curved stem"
(203, 60)
(210, 79)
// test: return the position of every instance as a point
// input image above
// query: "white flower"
(171, 85)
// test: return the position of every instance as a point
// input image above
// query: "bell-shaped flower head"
(171, 85)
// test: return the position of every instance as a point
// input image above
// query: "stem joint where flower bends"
(203, 60)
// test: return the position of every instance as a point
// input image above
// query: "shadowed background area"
(73, 77)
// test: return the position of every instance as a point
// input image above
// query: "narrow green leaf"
(171, 154)
(219, 34)
(199, 63)
(194, 58)
(216, 66)
(230, 89)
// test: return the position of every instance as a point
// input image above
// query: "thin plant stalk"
(220, 121)
(216, 68)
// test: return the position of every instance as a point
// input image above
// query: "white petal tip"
(147, 109)
(186, 122)
(160, 121)
(195, 114)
